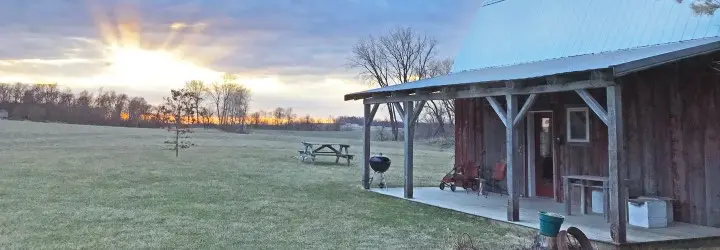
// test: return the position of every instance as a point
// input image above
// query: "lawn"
(73, 186)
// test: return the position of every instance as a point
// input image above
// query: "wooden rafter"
(525, 108)
(400, 110)
(498, 109)
(371, 115)
(593, 104)
(418, 109)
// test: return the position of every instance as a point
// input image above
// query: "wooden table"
(584, 182)
(313, 149)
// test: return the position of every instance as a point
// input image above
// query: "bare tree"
(238, 104)
(219, 94)
(5, 90)
(231, 100)
(17, 92)
(137, 107)
(398, 57)
(255, 118)
(278, 115)
(197, 89)
(288, 116)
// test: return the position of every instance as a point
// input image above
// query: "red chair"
(498, 175)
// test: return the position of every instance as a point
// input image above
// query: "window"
(578, 125)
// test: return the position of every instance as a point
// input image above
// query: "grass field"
(72, 186)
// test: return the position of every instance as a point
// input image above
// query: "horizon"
(284, 52)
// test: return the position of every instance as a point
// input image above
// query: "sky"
(290, 53)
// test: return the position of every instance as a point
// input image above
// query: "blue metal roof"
(512, 32)
(620, 62)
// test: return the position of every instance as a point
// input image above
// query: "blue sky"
(291, 53)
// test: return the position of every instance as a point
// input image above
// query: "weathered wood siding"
(480, 138)
(672, 126)
(672, 136)
(469, 116)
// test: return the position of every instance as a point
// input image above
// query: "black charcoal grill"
(379, 164)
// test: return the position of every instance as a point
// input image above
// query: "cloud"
(302, 46)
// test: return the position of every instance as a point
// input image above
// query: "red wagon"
(456, 177)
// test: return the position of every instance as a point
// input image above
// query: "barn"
(575, 97)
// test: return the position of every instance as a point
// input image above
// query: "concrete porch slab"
(593, 225)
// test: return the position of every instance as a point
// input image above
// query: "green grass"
(71, 186)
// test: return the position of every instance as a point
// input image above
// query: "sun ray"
(135, 60)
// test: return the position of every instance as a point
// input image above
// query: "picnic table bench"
(314, 149)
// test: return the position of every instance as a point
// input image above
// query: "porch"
(628, 92)
(494, 207)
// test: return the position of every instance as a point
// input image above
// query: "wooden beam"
(514, 172)
(485, 92)
(523, 111)
(372, 114)
(600, 75)
(400, 110)
(530, 133)
(593, 104)
(368, 114)
(408, 145)
(418, 110)
(498, 109)
(616, 166)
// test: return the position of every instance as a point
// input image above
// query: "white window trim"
(587, 124)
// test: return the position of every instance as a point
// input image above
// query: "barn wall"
(480, 138)
(672, 124)
(469, 117)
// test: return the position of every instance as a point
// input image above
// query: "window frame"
(568, 125)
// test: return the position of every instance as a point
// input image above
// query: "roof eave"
(642, 64)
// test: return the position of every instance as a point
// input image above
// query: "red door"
(543, 154)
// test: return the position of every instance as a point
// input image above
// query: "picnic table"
(314, 149)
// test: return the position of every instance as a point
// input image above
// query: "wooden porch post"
(369, 114)
(408, 142)
(616, 165)
(514, 171)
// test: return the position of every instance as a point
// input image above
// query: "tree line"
(287, 119)
(47, 102)
(224, 104)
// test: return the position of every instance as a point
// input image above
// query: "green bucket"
(550, 223)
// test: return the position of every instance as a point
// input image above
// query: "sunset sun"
(135, 66)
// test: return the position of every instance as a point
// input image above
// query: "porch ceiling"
(618, 63)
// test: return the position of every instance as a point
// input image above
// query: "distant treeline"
(285, 119)
(47, 103)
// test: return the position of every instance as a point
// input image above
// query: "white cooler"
(649, 212)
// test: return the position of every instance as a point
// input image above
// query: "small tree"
(179, 106)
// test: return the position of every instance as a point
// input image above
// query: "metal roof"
(621, 62)
(512, 32)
